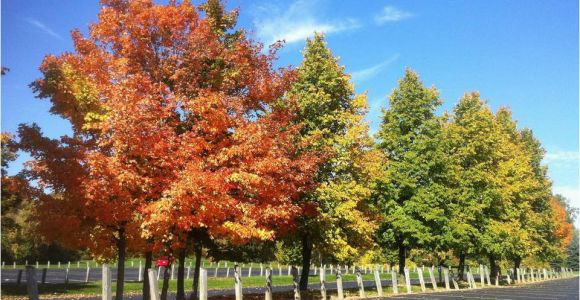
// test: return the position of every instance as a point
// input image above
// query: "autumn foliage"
(178, 124)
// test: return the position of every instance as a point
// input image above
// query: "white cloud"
(43, 27)
(296, 23)
(391, 14)
(362, 75)
(561, 156)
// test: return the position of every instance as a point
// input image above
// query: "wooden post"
(378, 282)
(31, 284)
(215, 272)
(279, 270)
(322, 283)
(153, 284)
(140, 276)
(66, 276)
(88, 273)
(48, 265)
(261, 270)
(19, 277)
(339, 285)
(295, 280)
(394, 282)
(37, 264)
(202, 284)
(421, 280)
(268, 295)
(106, 281)
(408, 281)
(446, 277)
(238, 282)
(469, 280)
(432, 277)
(455, 285)
(250, 271)
(481, 276)
(360, 283)
(487, 275)
(228, 272)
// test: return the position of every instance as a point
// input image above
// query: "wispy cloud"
(572, 193)
(560, 156)
(391, 14)
(362, 75)
(295, 23)
(42, 27)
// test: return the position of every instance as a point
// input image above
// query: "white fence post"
(238, 282)
(432, 277)
(202, 284)
(106, 281)
(322, 283)
(153, 284)
(88, 273)
(294, 273)
(268, 294)
(408, 281)
(378, 282)
(421, 279)
(446, 277)
(360, 283)
(339, 285)
(394, 282)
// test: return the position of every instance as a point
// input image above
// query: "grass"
(11, 289)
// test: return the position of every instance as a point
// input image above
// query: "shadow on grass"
(13, 289)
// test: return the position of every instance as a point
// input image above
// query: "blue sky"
(518, 53)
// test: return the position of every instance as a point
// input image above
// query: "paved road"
(559, 289)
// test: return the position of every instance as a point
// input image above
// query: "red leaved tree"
(181, 132)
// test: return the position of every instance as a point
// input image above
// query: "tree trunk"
(493, 268)
(121, 248)
(148, 262)
(165, 287)
(461, 268)
(306, 256)
(517, 262)
(180, 276)
(401, 258)
(197, 249)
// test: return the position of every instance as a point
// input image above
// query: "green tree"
(408, 137)
(573, 252)
(469, 146)
(342, 225)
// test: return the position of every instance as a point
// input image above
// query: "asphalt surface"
(557, 289)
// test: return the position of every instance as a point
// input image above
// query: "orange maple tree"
(180, 124)
(562, 229)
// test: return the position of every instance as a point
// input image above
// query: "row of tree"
(185, 138)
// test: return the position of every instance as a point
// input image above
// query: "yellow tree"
(343, 224)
